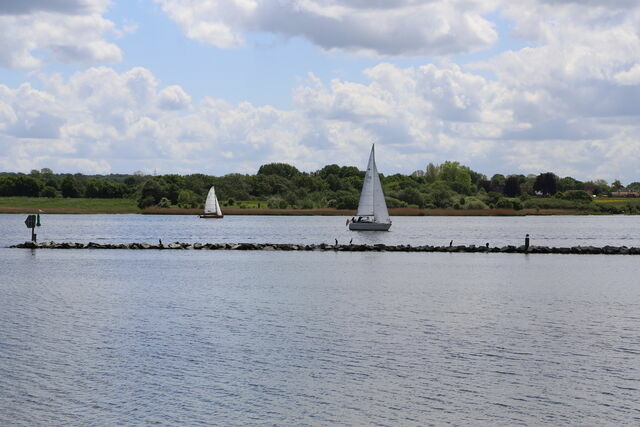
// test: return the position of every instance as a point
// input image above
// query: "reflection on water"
(216, 337)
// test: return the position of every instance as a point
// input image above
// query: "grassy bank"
(115, 206)
(60, 205)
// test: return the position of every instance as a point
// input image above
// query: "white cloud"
(120, 121)
(21, 7)
(67, 31)
(173, 98)
(393, 28)
(567, 102)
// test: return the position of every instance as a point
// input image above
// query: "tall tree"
(512, 186)
(546, 183)
(69, 187)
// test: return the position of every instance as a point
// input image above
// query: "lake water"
(317, 338)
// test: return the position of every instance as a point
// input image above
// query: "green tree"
(151, 193)
(347, 202)
(457, 176)
(569, 183)
(69, 187)
(546, 183)
(412, 196)
(188, 199)
(512, 186)
(440, 195)
(281, 169)
(497, 183)
(431, 173)
(48, 191)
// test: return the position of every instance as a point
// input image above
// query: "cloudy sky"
(221, 86)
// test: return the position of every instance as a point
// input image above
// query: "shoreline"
(298, 212)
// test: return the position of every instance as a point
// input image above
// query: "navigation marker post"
(31, 222)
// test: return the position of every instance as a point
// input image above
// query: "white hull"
(369, 226)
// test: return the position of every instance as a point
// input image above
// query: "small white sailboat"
(372, 210)
(211, 206)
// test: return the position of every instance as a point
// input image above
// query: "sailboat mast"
(374, 174)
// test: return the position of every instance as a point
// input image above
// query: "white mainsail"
(211, 206)
(372, 203)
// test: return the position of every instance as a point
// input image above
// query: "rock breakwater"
(574, 250)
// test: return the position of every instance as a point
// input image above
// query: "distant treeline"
(279, 185)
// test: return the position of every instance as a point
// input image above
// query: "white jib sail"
(372, 201)
(211, 206)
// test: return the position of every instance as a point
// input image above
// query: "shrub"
(187, 199)
(517, 204)
(305, 204)
(392, 202)
(145, 202)
(475, 204)
(276, 203)
(164, 203)
(504, 204)
(576, 195)
(347, 202)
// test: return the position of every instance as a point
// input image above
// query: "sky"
(224, 86)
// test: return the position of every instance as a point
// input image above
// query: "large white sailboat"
(372, 210)
(211, 206)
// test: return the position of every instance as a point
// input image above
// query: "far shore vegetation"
(281, 189)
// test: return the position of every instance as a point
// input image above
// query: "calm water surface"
(497, 231)
(316, 338)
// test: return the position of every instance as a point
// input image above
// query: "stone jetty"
(574, 250)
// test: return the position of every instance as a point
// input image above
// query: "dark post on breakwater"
(510, 249)
(31, 222)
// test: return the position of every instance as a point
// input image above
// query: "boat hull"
(211, 216)
(369, 226)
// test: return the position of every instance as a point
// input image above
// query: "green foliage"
(164, 203)
(276, 203)
(576, 195)
(347, 201)
(567, 183)
(49, 191)
(504, 204)
(411, 196)
(69, 187)
(517, 204)
(281, 169)
(20, 185)
(152, 192)
(512, 186)
(546, 184)
(145, 202)
(392, 202)
(279, 185)
(188, 199)
(439, 195)
(475, 204)
(458, 177)
(554, 203)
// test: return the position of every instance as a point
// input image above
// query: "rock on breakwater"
(574, 250)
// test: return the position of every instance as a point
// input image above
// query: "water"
(316, 338)
(497, 231)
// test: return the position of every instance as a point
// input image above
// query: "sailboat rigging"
(372, 209)
(211, 206)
